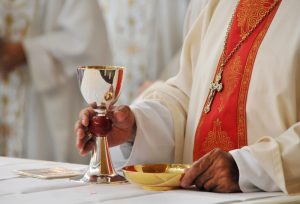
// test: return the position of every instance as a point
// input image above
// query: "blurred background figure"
(144, 36)
(41, 44)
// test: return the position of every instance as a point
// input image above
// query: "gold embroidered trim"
(231, 79)
(250, 13)
(217, 137)
(242, 100)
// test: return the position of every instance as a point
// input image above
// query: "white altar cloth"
(17, 189)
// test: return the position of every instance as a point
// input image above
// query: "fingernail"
(183, 185)
(83, 122)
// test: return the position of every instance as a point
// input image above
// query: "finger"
(85, 115)
(122, 117)
(85, 119)
(204, 177)
(77, 126)
(210, 185)
(93, 105)
(111, 108)
(88, 147)
(121, 112)
(197, 169)
(222, 186)
(82, 137)
(80, 140)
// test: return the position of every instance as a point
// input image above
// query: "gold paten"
(157, 177)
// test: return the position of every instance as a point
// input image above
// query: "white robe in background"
(15, 21)
(63, 34)
(144, 36)
(168, 118)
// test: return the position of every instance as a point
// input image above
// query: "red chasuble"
(225, 125)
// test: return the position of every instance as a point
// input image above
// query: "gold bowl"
(160, 177)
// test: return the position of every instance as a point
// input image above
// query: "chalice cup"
(100, 85)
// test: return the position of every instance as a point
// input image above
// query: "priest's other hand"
(12, 55)
(216, 171)
(123, 127)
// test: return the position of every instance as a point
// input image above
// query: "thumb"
(122, 117)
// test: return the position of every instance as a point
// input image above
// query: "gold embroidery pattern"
(230, 81)
(250, 13)
(241, 112)
(217, 138)
(221, 106)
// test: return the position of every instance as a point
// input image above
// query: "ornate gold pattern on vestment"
(250, 13)
(217, 137)
(231, 80)
(241, 117)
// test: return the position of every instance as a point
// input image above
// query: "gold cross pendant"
(215, 86)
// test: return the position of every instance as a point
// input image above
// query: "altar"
(19, 189)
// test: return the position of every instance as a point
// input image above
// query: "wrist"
(133, 130)
(133, 134)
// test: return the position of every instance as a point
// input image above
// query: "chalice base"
(100, 169)
(86, 178)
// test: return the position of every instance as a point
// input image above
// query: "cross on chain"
(215, 86)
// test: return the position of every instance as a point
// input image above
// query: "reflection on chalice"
(101, 85)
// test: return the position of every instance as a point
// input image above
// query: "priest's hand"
(216, 172)
(123, 127)
(12, 55)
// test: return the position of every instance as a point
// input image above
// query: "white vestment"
(168, 118)
(62, 35)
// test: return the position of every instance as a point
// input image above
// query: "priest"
(233, 108)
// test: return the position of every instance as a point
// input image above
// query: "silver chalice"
(100, 85)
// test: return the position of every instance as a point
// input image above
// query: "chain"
(235, 49)
(216, 85)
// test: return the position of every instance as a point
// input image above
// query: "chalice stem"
(101, 163)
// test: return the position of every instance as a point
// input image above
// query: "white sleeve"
(154, 140)
(252, 177)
